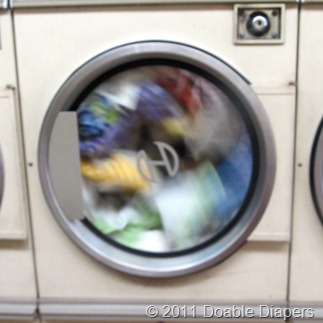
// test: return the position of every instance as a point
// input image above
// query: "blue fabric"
(154, 102)
(236, 172)
(113, 137)
(90, 125)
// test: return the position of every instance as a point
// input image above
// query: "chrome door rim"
(316, 171)
(184, 264)
(1, 178)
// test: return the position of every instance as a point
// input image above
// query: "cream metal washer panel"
(17, 276)
(256, 272)
(306, 282)
(71, 3)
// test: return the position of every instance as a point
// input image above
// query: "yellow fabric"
(174, 126)
(117, 170)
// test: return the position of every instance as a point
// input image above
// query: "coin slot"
(258, 23)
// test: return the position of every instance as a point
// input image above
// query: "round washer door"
(157, 159)
(316, 171)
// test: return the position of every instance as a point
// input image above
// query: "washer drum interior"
(157, 159)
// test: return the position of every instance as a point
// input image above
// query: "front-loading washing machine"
(306, 282)
(17, 275)
(157, 136)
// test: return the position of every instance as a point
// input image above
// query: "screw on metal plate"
(242, 13)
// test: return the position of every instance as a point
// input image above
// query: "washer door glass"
(174, 162)
(317, 171)
(166, 159)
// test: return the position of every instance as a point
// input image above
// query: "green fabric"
(102, 225)
(148, 219)
(105, 109)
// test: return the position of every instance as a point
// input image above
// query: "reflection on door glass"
(166, 159)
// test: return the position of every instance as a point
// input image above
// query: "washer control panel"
(259, 24)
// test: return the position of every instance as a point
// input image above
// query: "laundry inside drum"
(166, 158)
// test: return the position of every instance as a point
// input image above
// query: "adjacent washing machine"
(306, 285)
(157, 136)
(17, 276)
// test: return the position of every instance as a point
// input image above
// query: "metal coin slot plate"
(268, 18)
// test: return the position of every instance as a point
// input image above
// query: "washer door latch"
(259, 24)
